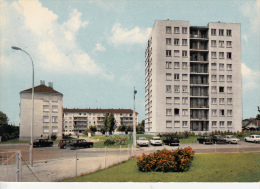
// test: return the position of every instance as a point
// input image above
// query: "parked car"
(205, 140)
(252, 138)
(156, 141)
(231, 139)
(142, 141)
(63, 143)
(80, 143)
(42, 142)
(218, 139)
(171, 140)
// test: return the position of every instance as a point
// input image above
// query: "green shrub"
(166, 160)
(115, 140)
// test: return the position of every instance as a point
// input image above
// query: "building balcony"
(198, 118)
(198, 59)
(199, 36)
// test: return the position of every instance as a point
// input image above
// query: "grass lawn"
(223, 167)
(13, 141)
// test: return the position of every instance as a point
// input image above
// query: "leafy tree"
(103, 130)
(257, 117)
(128, 129)
(3, 119)
(111, 123)
(105, 124)
(7, 132)
(140, 128)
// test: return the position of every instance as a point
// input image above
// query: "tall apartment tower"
(193, 78)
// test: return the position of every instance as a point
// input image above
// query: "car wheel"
(245, 140)
(64, 147)
(229, 142)
(91, 145)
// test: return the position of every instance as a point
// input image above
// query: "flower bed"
(116, 141)
(166, 160)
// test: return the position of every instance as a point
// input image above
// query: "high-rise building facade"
(193, 77)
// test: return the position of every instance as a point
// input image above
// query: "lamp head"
(16, 48)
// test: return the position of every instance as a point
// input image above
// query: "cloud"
(125, 36)
(250, 77)
(52, 45)
(99, 47)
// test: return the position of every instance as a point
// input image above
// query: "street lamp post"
(134, 128)
(32, 120)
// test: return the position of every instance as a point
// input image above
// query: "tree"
(128, 129)
(105, 124)
(257, 117)
(140, 129)
(111, 123)
(3, 119)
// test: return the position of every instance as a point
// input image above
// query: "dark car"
(204, 140)
(42, 142)
(218, 139)
(80, 143)
(171, 140)
(63, 143)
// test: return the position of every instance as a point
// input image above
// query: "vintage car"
(252, 138)
(171, 140)
(63, 143)
(156, 141)
(142, 141)
(231, 139)
(80, 143)
(205, 140)
(218, 139)
(42, 142)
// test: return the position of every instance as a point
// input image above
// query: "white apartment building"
(47, 112)
(76, 121)
(193, 78)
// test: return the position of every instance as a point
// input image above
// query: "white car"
(231, 139)
(142, 141)
(156, 141)
(252, 138)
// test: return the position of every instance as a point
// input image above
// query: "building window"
(214, 113)
(168, 76)
(213, 89)
(229, 89)
(176, 77)
(176, 65)
(168, 29)
(185, 112)
(176, 123)
(176, 42)
(229, 67)
(229, 78)
(184, 30)
(221, 101)
(54, 108)
(213, 66)
(176, 53)
(221, 112)
(229, 44)
(184, 77)
(184, 100)
(184, 54)
(213, 78)
(168, 53)
(213, 101)
(222, 123)
(221, 43)
(54, 129)
(176, 88)
(213, 32)
(168, 112)
(168, 41)
(185, 124)
(229, 112)
(176, 100)
(184, 42)
(54, 119)
(221, 55)
(229, 101)
(46, 108)
(221, 32)
(213, 55)
(213, 43)
(45, 129)
(169, 124)
(221, 67)
(168, 88)
(229, 33)
(176, 111)
(214, 124)
(176, 30)
(229, 123)
(221, 89)
(184, 65)
(229, 55)
(168, 65)
(184, 88)
(46, 119)
(221, 78)
(168, 100)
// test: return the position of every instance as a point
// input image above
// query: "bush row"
(116, 141)
(166, 160)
